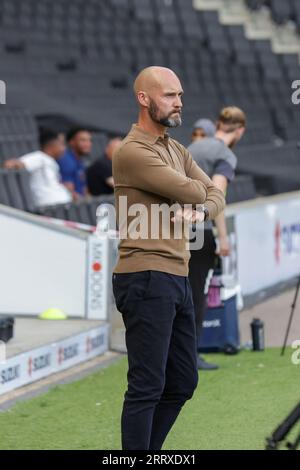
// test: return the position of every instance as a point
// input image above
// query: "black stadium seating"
(282, 11)
(19, 132)
(12, 193)
(83, 212)
(75, 62)
(15, 192)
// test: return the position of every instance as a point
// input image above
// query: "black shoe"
(203, 365)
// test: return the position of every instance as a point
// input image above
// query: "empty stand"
(75, 62)
(19, 132)
(85, 54)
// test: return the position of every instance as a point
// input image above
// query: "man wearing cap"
(203, 128)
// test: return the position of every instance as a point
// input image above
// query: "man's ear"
(240, 132)
(143, 99)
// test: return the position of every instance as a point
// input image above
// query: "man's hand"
(224, 247)
(13, 164)
(188, 215)
(110, 181)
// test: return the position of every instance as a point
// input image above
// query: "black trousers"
(201, 261)
(158, 314)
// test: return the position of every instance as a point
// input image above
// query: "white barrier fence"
(265, 235)
(41, 362)
(51, 264)
(46, 265)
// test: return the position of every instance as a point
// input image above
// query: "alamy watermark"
(2, 92)
(296, 354)
(155, 222)
(296, 93)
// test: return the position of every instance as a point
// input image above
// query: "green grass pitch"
(235, 407)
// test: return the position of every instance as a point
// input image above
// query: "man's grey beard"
(168, 122)
(165, 121)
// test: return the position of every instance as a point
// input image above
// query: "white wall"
(41, 266)
(267, 233)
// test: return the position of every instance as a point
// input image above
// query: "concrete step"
(258, 25)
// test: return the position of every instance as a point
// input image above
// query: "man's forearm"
(215, 202)
(220, 222)
(14, 164)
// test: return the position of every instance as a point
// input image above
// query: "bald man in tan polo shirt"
(150, 280)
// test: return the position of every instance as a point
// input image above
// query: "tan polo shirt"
(148, 170)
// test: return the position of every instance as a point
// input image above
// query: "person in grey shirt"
(215, 157)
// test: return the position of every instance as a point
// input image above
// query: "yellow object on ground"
(53, 314)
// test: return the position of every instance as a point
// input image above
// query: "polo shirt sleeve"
(224, 168)
(215, 201)
(138, 166)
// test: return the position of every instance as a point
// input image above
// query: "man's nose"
(178, 102)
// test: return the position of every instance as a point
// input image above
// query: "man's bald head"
(154, 77)
(158, 92)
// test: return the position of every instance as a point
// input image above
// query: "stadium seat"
(13, 190)
(77, 58)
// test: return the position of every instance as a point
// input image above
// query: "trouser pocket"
(130, 287)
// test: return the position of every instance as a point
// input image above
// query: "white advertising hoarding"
(268, 243)
(42, 362)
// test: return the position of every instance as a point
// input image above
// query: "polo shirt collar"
(151, 138)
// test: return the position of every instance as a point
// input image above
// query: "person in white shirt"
(45, 182)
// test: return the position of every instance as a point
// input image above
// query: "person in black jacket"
(99, 174)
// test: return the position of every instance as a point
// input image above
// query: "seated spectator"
(203, 128)
(72, 167)
(44, 171)
(99, 174)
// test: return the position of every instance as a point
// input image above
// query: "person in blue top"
(71, 164)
